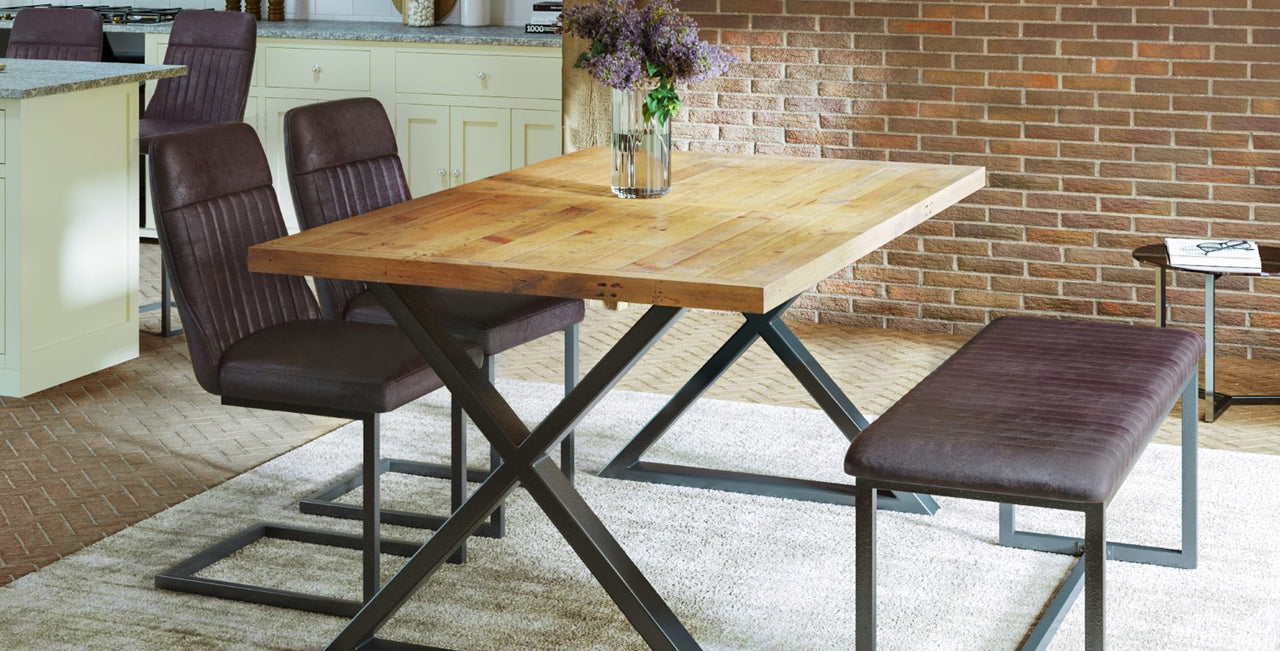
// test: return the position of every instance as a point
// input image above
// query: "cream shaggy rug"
(741, 572)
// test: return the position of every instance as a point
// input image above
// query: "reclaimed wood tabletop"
(736, 232)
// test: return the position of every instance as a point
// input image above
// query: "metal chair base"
(323, 502)
(182, 576)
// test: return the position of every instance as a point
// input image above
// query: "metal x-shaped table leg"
(525, 462)
(771, 328)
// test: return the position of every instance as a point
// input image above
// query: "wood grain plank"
(735, 232)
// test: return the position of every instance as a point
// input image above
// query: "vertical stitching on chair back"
(62, 34)
(221, 300)
(328, 195)
(215, 88)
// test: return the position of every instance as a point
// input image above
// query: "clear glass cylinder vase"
(641, 148)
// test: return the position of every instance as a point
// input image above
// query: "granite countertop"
(25, 78)
(345, 30)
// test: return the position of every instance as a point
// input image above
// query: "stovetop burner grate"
(122, 14)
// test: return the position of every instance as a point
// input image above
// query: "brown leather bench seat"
(1032, 411)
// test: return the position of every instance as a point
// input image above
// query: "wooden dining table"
(742, 233)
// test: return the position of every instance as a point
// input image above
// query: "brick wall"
(1103, 125)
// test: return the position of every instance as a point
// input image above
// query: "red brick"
(1089, 82)
(1021, 114)
(1098, 186)
(1121, 48)
(1061, 167)
(1245, 18)
(1062, 271)
(1022, 80)
(1211, 104)
(818, 7)
(954, 280)
(1182, 34)
(1095, 117)
(988, 29)
(1210, 69)
(1193, 174)
(1173, 51)
(1136, 206)
(988, 299)
(1060, 98)
(1049, 132)
(1077, 65)
(1021, 13)
(1024, 285)
(1171, 155)
(991, 130)
(1173, 190)
(1136, 136)
(886, 9)
(1134, 33)
(1212, 210)
(921, 93)
(1132, 101)
(1171, 86)
(1059, 201)
(775, 23)
(1172, 17)
(1022, 217)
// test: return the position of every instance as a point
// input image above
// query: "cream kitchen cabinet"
(460, 112)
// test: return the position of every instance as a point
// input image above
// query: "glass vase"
(641, 148)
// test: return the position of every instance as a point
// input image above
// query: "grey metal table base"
(524, 462)
(1215, 403)
(770, 327)
(1093, 549)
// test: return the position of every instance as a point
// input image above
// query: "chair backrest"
(211, 192)
(217, 47)
(63, 34)
(342, 161)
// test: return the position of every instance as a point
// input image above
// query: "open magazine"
(1214, 255)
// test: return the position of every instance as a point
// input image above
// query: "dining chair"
(343, 160)
(62, 34)
(259, 340)
(217, 47)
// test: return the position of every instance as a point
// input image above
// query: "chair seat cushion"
(1033, 407)
(337, 365)
(149, 128)
(495, 321)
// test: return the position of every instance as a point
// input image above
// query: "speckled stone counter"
(26, 78)
(345, 30)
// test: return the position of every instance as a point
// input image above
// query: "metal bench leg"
(1095, 557)
(865, 566)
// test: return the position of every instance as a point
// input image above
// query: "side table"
(1156, 255)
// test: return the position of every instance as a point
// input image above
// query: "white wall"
(501, 12)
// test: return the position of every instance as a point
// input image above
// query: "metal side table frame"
(1215, 402)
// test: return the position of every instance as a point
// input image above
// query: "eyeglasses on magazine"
(1214, 247)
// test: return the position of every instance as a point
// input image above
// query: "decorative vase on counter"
(474, 13)
(641, 148)
(419, 13)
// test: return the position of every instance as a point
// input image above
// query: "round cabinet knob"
(481, 76)
(456, 173)
(315, 69)
(441, 171)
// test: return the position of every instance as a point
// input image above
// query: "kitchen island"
(69, 210)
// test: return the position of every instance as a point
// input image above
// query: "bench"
(1043, 413)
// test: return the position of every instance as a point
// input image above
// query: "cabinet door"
(535, 136)
(271, 131)
(479, 143)
(422, 134)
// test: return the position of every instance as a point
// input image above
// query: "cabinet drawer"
(287, 67)
(478, 74)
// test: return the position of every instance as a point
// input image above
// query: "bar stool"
(61, 34)
(218, 48)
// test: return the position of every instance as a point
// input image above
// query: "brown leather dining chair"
(217, 47)
(258, 340)
(343, 160)
(62, 34)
